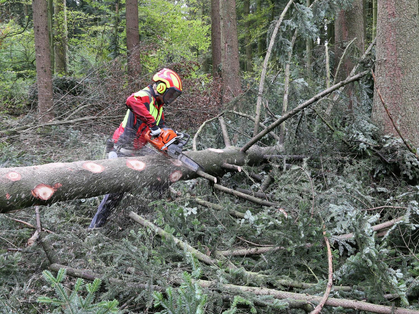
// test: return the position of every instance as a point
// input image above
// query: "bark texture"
(60, 29)
(46, 184)
(216, 37)
(43, 60)
(133, 39)
(397, 68)
(349, 25)
(230, 51)
(349, 28)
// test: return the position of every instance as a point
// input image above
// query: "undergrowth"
(340, 184)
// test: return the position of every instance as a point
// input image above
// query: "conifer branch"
(232, 212)
(291, 296)
(299, 108)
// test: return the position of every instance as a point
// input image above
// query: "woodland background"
(327, 223)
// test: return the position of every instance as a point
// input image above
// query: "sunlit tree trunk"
(397, 68)
(60, 31)
(133, 40)
(43, 60)
(230, 70)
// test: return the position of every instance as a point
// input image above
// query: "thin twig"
(329, 286)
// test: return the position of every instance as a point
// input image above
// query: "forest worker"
(145, 112)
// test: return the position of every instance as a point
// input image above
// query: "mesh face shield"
(171, 94)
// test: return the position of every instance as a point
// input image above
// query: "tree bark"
(43, 60)
(46, 184)
(349, 26)
(215, 37)
(397, 68)
(230, 68)
(133, 40)
(60, 30)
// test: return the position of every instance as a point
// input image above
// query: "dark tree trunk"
(216, 37)
(43, 60)
(349, 25)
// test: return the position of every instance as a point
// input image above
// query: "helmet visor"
(171, 94)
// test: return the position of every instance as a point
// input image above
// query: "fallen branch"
(378, 227)
(299, 108)
(54, 122)
(232, 212)
(224, 131)
(244, 196)
(284, 295)
(89, 275)
(323, 301)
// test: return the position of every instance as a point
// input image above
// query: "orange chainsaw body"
(171, 143)
(163, 141)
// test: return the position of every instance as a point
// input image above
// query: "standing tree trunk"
(229, 51)
(216, 37)
(248, 63)
(133, 40)
(43, 60)
(51, 33)
(397, 68)
(349, 26)
(60, 43)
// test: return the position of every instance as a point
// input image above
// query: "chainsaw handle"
(184, 139)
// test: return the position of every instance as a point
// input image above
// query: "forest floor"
(336, 196)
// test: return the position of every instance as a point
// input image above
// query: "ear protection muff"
(161, 87)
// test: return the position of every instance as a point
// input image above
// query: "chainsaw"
(171, 143)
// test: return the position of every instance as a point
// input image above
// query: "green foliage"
(17, 69)
(179, 37)
(189, 298)
(73, 302)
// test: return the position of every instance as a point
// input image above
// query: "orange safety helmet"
(168, 84)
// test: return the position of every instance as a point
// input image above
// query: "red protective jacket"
(144, 111)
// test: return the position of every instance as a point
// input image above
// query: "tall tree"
(397, 69)
(133, 39)
(60, 34)
(215, 37)
(349, 34)
(43, 60)
(230, 70)
(247, 38)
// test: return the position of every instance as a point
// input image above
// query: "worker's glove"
(155, 131)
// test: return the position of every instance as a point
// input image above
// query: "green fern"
(73, 303)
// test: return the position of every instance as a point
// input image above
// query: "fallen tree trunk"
(46, 184)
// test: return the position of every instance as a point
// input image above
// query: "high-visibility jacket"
(144, 111)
